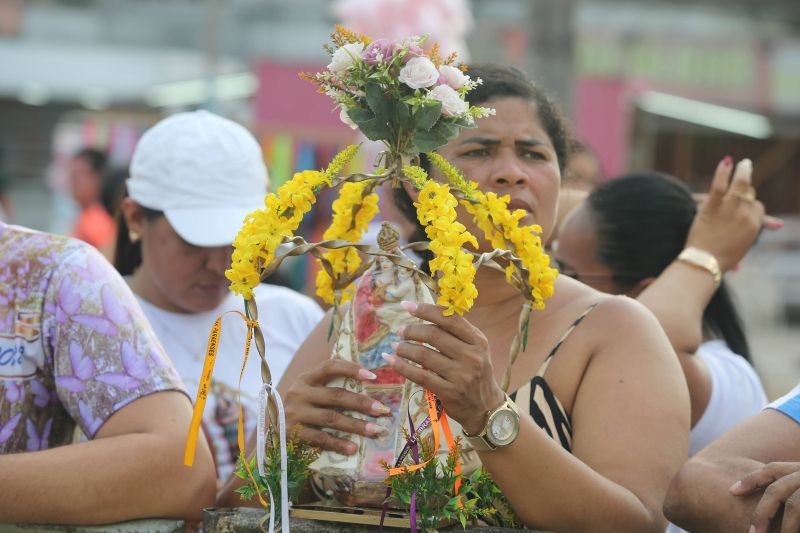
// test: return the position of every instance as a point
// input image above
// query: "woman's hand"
(315, 406)
(730, 218)
(458, 369)
(782, 484)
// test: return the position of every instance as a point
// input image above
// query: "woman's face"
(510, 153)
(575, 252)
(175, 275)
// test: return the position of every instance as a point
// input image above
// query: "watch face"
(503, 428)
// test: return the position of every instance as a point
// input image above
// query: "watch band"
(702, 259)
(480, 442)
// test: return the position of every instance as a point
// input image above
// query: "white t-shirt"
(736, 394)
(286, 318)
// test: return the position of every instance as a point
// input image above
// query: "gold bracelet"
(702, 259)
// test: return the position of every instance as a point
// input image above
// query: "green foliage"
(436, 503)
(491, 503)
(299, 456)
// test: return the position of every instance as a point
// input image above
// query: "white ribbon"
(261, 437)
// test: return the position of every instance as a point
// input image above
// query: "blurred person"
(583, 170)
(748, 480)
(644, 236)
(76, 350)
(114, 191)
(94, 224)
(194, 178)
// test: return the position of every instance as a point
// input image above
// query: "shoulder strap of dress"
(546, 363)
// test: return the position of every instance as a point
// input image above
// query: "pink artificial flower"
(378, 50)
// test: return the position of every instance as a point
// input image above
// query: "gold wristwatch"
(702, 259)
(501, 429)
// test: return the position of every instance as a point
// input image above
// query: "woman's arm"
(700, 497)
(726, 226)
(630, 420)
(133, 468)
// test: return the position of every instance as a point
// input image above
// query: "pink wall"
(602, 119)
(283, 99)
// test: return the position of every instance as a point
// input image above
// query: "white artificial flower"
(418, 73)
(452, 104)
(345, 57)
(344, 117)
(453, 76)
(412, 41)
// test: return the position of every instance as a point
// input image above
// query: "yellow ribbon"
(205, 382)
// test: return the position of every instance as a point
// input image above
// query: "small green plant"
(436, 503)
(491, 503)
(299, 455)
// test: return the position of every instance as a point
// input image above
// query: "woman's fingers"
(331, 369)
(435, 336)
(742, 181)
(780, 493)
(326, 441)
(721, 179)
(772, 223)
(454, 324)
(424, 356)
(422, 377)
(762, 477)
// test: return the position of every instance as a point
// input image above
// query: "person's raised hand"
(730, 218)
(313, 405)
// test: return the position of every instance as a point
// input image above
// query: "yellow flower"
(352, 213)
(436, 211)
(453, 175)
(341, 160)
(501, 228)
(264, 229)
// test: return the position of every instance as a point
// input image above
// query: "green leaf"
(377, 101)
(370, 125)
(446, 129)
(463, 519)
(428, 141)
(404, 117)
(427, 115)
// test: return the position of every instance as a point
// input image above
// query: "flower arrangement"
(396, 92)
(413, 101)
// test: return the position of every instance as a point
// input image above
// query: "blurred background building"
(671, 86)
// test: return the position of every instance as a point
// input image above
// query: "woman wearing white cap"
(194, 177)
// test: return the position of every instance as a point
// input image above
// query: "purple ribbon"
(411, 446)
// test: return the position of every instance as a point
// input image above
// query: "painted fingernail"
(363, 373)
(373, 429)
(378, 407)
(394, 345)
(409, 306)
(350, 448)
(389, 358)
(736, 487)
(727, 160)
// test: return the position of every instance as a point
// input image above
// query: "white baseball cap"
(205, 172)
